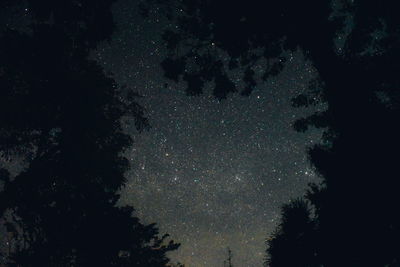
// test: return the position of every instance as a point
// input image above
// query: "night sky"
(211, 174)
(214, 174)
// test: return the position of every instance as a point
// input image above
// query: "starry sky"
(211, 174)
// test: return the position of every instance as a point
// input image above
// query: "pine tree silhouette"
(228, 261)
(62, 114)
(295, 236)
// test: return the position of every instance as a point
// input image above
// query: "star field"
(211, 174)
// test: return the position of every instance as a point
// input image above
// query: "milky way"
(211, 174)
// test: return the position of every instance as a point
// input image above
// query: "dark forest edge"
(61, 210)
(62, 115)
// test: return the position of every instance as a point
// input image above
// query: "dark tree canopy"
(62, 114)
(356, 220)
(213, 37)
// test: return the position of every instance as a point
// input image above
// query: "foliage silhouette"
(62, 114)
(355, 220)
(295, 236)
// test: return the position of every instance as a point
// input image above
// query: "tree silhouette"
(356, 219)
(205, 46)
(228, 261)
(62, 114)
(294, 242)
